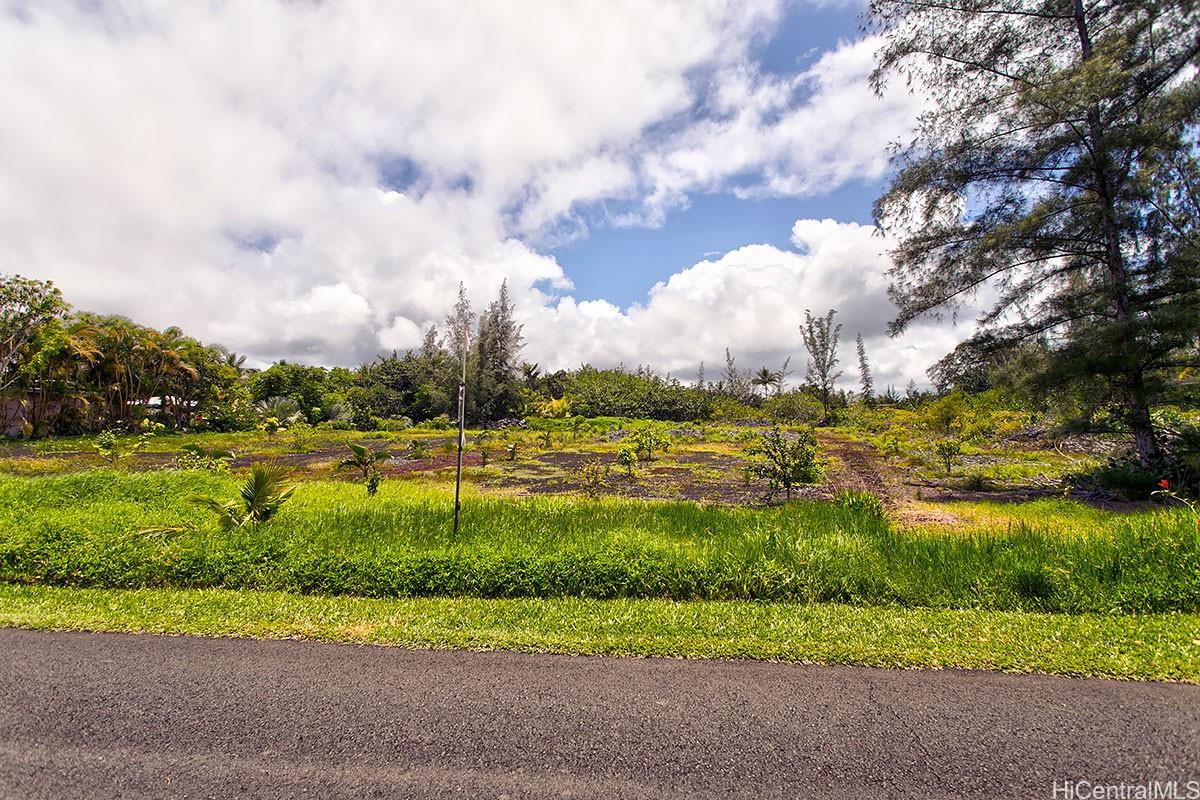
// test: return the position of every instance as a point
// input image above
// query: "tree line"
(66, 371)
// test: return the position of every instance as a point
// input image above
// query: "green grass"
(129, 530)
(1155, 647)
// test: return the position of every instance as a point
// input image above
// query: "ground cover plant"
(125, 530)
(1143, 646)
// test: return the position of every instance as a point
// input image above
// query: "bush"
(593, 477)
(1124, 477)
(797, 406)
(786, 463)
(646, 441)
(949, 453)
(978, 483)
(441, 422)
(613, 393)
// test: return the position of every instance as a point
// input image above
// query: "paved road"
(106, 715)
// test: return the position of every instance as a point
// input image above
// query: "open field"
(1014, 576)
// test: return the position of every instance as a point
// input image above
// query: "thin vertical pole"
(462, 417)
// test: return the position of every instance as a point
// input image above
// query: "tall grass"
(108, 529)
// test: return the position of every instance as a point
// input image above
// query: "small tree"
(948, 451)
(484, 442)
(864, 372)
(786, 462)
(259, 499)
(593, 477)
(366, 461)
(627, 457)
(821, 342)
(647, 441)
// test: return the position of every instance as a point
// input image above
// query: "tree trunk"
(1137, 406)
(1145, 440)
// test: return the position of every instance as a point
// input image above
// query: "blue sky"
(621, 264)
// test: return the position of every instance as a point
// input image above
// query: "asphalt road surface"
(108, 715)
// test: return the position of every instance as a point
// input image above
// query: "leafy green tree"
(821, 341)
(26, 305)
(1055, 164)
(306, 385)
(948, 452)
(786, 462)
(647, 441)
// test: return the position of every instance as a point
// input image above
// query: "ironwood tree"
(821, 341)
(1055, 172)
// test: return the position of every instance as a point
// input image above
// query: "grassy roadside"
(1145, 647)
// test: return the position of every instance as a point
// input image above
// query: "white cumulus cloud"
(313, 180)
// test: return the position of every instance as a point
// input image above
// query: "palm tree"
(765, 378)
(236, 361)
(260, 498)
(363, 459)
(284, 409)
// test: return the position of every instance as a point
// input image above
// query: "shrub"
(441, 422)
(949, 453)
(270, 426)
(786, 462)
(484, 442)
(647, 441)
(1123, 476)
(642, 395)
(363, 419)
(194, 456)
(108, 444)
(284, 410)
(977, 482)
(628, 458)
(301, 436)
(593, 477)
(555, 409)
(796, 406)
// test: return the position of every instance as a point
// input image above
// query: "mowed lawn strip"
(1146, 647)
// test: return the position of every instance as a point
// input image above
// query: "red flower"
(1164, 484)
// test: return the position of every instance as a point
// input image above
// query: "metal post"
(462, 394)
(462, 436)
